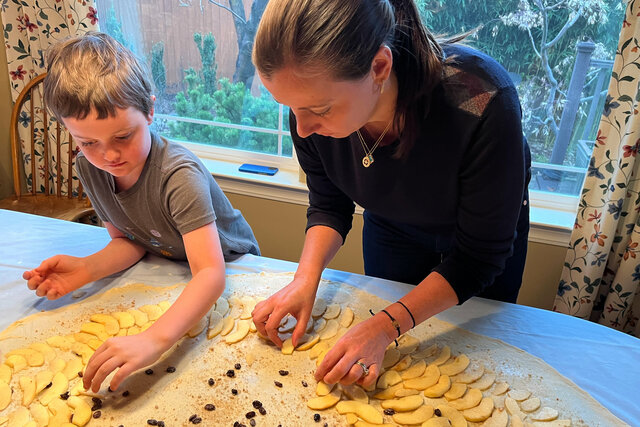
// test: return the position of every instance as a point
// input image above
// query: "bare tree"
(245, 32)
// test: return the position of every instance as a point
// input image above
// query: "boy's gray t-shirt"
(175, 194)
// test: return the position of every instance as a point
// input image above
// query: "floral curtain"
(30, 27)
(601, 274)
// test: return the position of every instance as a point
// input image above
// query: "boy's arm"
(134, 352)
(206, 261)
(61, 274)
(121, 253)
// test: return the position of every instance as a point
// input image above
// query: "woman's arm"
(320, 246)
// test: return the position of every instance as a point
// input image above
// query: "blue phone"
(262, 170)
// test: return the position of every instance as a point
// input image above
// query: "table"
(603, 362)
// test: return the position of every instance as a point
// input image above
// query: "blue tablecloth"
(602, 361)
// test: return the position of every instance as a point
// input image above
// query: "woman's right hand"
(57, 276)
(297, 299)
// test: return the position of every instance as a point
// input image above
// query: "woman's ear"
(382, 65)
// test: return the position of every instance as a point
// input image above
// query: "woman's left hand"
(365, 342)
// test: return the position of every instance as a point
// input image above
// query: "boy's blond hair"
(94, 72)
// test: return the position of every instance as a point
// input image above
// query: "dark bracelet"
(408, 311)
(394, 322)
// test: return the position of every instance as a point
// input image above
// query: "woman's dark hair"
(342, 37)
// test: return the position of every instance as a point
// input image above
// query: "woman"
(426, 137)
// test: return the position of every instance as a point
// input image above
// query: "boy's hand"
(57, 276)
(128, 353)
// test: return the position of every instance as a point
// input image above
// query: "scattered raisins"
(65, 395)
(80, 374)
(160, 423)
(262, 410)
(231, 373)
(234, 391)
(96, 406)
(96, 400)
(278, 384)
(152, 422)
(149, 372)
(316, 418)
(389, 411)
(193, 417)
(304, 384)
(256, 404)
(210, 407)
(211, 381)
(283, 372)
(171, 369)
(250, 414)
(97, 414)
(437, 413)
(49, 385)
(252, 422)
(237, 366)
(125, 393)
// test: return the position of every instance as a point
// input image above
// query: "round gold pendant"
(367, 160)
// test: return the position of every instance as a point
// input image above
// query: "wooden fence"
(147, 22)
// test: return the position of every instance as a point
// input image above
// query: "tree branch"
(230, 10)
(566, 27)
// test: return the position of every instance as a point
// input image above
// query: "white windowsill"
(549, 225)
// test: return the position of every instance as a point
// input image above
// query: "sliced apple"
(96, 329)
(426, 380)
(440, 388)
(319, 307)
(415, 370)
(324, 402)
(363, 410)
(28, 386)
(332, 311)
(111, 324)
(471, 398)
(140, 317)
(59, 384)
(403, 404)
(5, 395)
(125, 319)
(242, 329)
(72, 368)
(455, 366)
(81, 410)
(152, 311)
(346, 318)
(215, 324)
(418, 416)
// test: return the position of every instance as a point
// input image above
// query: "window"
(207, 96)
(559, 54)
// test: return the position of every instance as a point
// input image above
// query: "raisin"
(152, 422)
(197, 420)
(283, 372)
(234, 391)
(49, 385)
(211, 382)
(80, 374)
(437, 413)
(193, 417)
(389, 411)
(96, 406)
(237, 366)
(171, 369)
(96, 400)
(304, 384)
(262, 410)
(97, 414)
(149, 372)
(278, 384)
(231, 373)
(252, 422)
(65, 395)
(316, 418)
(257, 404)
(160, 423)
(209, 407)
(125, 393)
(250, 414)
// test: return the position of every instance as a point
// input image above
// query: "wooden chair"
(47, 196)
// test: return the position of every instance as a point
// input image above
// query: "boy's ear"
(152, 110)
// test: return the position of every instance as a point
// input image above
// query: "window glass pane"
(206, 88)
(539, 43)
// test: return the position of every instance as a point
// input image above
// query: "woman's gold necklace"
(367, 160)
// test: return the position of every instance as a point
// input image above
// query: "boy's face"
(118, 145)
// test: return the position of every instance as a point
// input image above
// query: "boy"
(152, 195)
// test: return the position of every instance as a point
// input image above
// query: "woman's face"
(322, 105)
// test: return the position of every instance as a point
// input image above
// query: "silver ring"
(365, 369)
